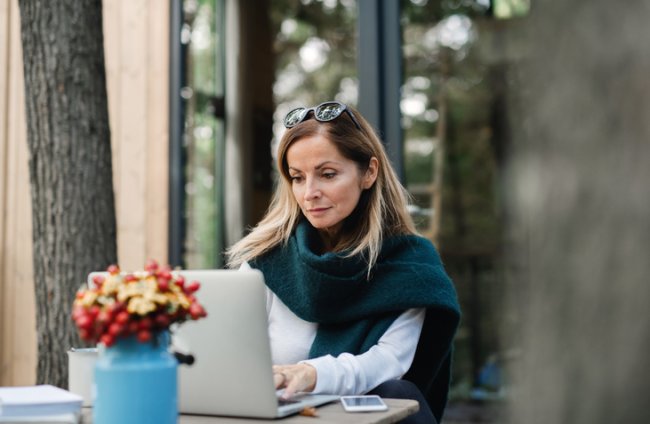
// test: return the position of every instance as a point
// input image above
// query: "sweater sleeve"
(390, 358)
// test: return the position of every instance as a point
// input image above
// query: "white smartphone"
(363, 403)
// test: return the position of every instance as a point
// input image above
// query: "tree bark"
(74, 230)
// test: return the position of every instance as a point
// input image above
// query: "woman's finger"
(294, 384)
(279, 379)
(299, 378)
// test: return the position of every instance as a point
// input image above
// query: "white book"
(43, 400)
(42, 419)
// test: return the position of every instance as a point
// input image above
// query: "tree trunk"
(68, 135)
(580, 200)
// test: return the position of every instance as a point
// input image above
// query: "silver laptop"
(232, 373)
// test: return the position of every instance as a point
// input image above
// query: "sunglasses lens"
(328, 111)
(294, 117)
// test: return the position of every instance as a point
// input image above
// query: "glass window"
(457, 60)
(203, 132)
(315, 54)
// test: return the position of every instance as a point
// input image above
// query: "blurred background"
(520, 128)
(432, 76)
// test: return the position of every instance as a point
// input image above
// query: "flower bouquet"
(138, 304)
(129, 315)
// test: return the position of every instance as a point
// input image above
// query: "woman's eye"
(296, 179)
(329, 175)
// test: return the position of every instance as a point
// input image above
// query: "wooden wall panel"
(136, 42)
(17, 308)
(157, 206)
(132, 135)
(5, 33)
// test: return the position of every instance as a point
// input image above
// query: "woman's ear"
(370, 176)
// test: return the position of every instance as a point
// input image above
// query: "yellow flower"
(88, 299)
(140, 306)
(150, 283)
(126, 291)
(153, 296)
(111, 284)
(179, 299)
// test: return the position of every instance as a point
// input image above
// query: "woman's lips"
(317, 211)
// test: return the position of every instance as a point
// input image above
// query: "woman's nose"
(312, 190)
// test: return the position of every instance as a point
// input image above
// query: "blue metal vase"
(136, 382)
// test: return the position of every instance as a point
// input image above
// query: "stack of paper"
(43, 404)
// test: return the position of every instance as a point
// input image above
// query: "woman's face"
(326, 185)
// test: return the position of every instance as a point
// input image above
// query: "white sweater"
(347, 374)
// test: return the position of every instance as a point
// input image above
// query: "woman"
(349, 281)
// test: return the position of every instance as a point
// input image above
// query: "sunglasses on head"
(324, 112)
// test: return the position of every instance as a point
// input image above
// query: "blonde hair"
(382, 209)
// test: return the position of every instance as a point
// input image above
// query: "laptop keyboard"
(283, 402)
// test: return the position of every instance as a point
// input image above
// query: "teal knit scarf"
(352, 311)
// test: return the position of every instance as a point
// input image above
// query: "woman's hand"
(294, 378)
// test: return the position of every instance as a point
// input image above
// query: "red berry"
(164, 274)
(132, 327)
(144, 336)
(162, 321)
(98, 280)
(78, 311)
(107, 340)
(115, 329)
(192, 287)
(84, 321)
(122, 317)
(180, 282)
(104, 316)
(130, 277)
(85, 334)
(113, 269)
(116, 307)
(151, 266)
(145, 323)
(163, 285)
(197, 311)
(94, 311)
